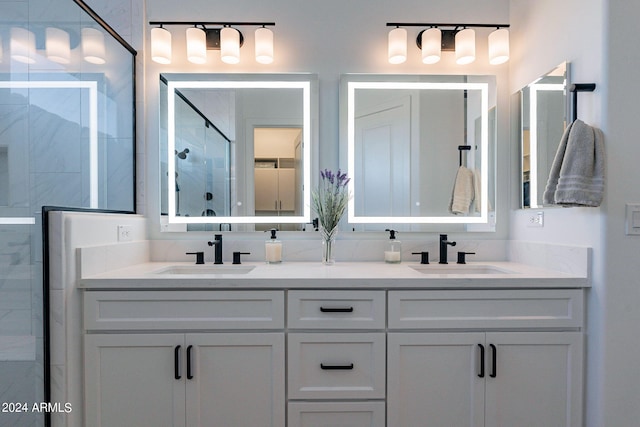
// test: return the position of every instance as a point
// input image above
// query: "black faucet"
(217, 250)
(443, 248)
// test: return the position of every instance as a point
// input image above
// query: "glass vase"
(328, 246)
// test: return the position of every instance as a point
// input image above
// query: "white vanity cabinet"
(167, 358)
(336, 354)
(485, 358)
(378, 356)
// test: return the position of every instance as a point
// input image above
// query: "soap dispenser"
(273, 248)
(393, 249)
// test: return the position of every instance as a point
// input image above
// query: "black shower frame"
(46, 300)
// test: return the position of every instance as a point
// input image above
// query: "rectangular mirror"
(544, 115)
(237, 148)
(409, 139)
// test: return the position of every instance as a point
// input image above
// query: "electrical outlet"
(124, 233)
(536, 219)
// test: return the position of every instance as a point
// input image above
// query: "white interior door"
(382, 177)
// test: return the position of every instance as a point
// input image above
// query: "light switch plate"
(632, 219)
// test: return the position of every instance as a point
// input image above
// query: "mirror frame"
(306, 82)
(535, 186)
(352, 82)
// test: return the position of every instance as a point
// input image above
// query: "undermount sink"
(459, 269)
(205, 269)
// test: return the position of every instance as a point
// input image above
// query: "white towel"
(463, 193)
(577, 173)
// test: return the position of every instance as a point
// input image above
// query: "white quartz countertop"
(315, 275)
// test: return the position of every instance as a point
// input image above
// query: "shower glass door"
(66, 139)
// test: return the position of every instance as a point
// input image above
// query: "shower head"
(183, 154)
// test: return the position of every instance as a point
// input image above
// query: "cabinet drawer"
(337, 414)
(550, 308)
(336, 310)
(336, 366)
(179, 310)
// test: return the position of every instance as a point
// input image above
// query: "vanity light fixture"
(196, 45)
(161, 45)
(226, 38)
(397, 45)
(57, 45)
(457, 37)
(465, 46)
(23, 45)
(264, 45)
(93, 46)
(499, 46)
(431, 41)
(229, 45)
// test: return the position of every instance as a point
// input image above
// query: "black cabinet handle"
(176, 363)
(336, 309)
(481, 374)
(189, 372)
(336, 367)
(494, 362)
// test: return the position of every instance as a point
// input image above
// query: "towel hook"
(579, 87)
(462, 148)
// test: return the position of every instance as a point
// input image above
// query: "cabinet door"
(266, 189)
(538, 379)
(130, 380)
(235, 380)
(287, 189)
(433, 380)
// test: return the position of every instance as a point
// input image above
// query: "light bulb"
(161, 45)
(431, 44)
(397, 46)
(264, 45)
(465, 46)
(196, 46)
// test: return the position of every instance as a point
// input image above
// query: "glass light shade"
(499, 46)
(431, 45)
(230, 45)
(397, 46)
(264, 45)
(93, 49)
(196, 46)
(465, 46)
(23, 45)
(57, 45)
(161, 46)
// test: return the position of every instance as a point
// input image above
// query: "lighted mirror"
(237, 149)
(420, 150)
(543, 119)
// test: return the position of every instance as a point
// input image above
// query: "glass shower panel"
(66, 139)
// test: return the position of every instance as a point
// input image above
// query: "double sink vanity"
(302, 344)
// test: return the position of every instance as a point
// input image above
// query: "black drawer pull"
(176, 363)
(494, 361)
(336, 309)
(189, 362)
(336, 367)
(481, 374)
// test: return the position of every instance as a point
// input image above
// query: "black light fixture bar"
(223, 23)
(428, 24)
(448, 36)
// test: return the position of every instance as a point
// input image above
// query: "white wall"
(329, 38)
(622, 300)
(599, 38)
